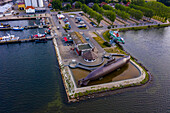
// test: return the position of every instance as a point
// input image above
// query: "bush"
(108, 27)
(107, 44)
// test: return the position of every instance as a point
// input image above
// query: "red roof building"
(29, 7)
(103, 3)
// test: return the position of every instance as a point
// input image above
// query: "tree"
(146, 11)
(68, 6)
(56, 4)
(138, 2)
(96, 7)
(110, 15)
(78, 4)
(137, 14)
(99, 17)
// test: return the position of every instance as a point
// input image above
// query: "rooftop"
(85, 46)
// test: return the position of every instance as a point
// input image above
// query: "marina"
(43, 69)
(53, 60)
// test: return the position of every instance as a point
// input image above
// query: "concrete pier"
(24, 40)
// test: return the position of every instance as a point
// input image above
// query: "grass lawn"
(72, 14)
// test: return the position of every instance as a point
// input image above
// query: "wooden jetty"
(26, 27)
(24, 40)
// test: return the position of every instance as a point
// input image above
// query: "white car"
(58, 27)
(71, 16)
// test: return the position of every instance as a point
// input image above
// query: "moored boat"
(8, 38)
(17, 28)
(4, 25)
(38, 35)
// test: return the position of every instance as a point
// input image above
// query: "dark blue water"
(30, 80)
(28, 76)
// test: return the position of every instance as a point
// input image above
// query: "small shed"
(89, 56)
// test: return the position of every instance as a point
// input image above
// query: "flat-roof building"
(5, 8)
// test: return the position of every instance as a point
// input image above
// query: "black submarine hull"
(104, 70)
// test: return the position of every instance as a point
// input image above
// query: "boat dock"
(26, 27)
(24, 40)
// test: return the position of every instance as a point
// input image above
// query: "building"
(5, 8)
(89, 56)
(40, 3)
(30, 9)
(34, 3)
(74, 4)
(82, 48)
(28, 3)
(90, 4)
(21, 6)
(65, 3)
(3, 2)
(103, 3)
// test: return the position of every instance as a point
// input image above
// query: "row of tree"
(92, 13)
(137, 14)
(86, 1)
(146, 11)
(120, 13)
(108, 13)
(57, 4)
(159, 8)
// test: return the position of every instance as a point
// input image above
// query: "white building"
(5, 8)
(34, 3)
(28, 3)
(30, 9)
(40, 3)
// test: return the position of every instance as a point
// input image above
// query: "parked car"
(81, 14)
(81, 22)
(78, 18)
(81, 26)
(93, 24)
(71, 16)
(58, 27)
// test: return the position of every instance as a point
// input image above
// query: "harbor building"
(21, 6)
(34, 3)
(5, 8)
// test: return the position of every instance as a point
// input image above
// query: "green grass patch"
(72, 14)
(100, 41)
(114, 50)
(71, 10)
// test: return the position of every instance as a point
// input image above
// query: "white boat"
(8, 38)
(17, 28)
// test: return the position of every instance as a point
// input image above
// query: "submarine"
(107, 68)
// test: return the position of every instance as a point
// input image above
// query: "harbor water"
(26, 33)
(30, 81)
